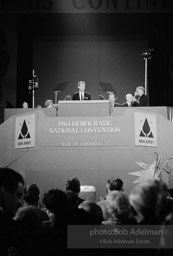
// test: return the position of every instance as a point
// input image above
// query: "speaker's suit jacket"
(76, 96)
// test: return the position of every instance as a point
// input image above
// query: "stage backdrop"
(106, 63)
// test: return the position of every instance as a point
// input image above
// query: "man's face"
(139, 91)
(50, 105)
(81, 86)
(128, 98)
(25, 105)
(13, 200)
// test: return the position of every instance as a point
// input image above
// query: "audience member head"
(119, 206)
(147, 201)
(30, 228)
(166, 238)
(114, 184)
(56, 201)
(68, 97)
(95, 212)
(73, 185)
(81, 86)
(32, 195)
(72, 198)
(28, 215)
(165, 202)
(25, 104)
(11, 190)
(48, 103)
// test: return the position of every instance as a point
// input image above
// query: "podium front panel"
(84, 108)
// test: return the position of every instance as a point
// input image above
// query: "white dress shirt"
(81, 95)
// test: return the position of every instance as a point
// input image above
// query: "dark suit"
(142, 101)
(76, 96)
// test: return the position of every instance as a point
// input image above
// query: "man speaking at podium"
(81, 95)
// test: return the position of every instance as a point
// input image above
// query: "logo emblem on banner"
(145, 130)
(25, 131)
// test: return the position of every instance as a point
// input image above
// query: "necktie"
(82, 98)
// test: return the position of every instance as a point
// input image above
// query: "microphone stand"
(56, 96)
(33, 85)
(111, 95)
(146, 56)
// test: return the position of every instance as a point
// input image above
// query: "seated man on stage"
(68, 97)
(101, 97)
(128, 103)
(81, 95)
(25, 104)
(142, 100)
(48, 104)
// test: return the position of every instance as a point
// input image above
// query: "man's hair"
(32, 194)
(148, 199)
(81, 82)
(129, 95)
(48, 102)
(10, 179)
(94, 211)
(56, 201)
(141, 88)
(24, 102)
(114, 184)
(119, 206)
(73, 185)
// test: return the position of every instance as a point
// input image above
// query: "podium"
(84, 108)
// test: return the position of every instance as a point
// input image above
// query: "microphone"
(56, 91)
(147, 52)
(109, 92)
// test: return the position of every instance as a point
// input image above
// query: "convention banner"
(86, 6)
